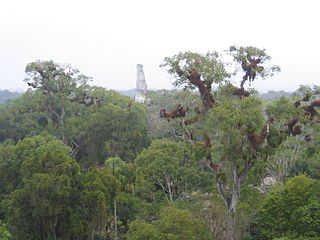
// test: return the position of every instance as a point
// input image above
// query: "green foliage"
(208, 65)
(173, 224)
(291, 210)
(310, 154)
(51, 158)
(117, 128)
(40, 199)
(115, 165)
(229, 124)
(52, 199)
(181, 224)
(304, 90)
(250, 201)
(4, 233)
(243, 55)
(238, 116)
(170, 167)
(8, 179)
(54, 78)
(169, 99)
(308, 219)
(22, 117)
(91, 120)
(129, 207)
(12, 158)
(293, 155)
(61, 86)
(233, 120)
(44, 195)
(58, 105)
(284, 110)
(141, 230)
(296, 238)
(92, 204)
(124, 173)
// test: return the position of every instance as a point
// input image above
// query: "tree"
(61, 85)
(173, 224)
(129, 207)
(197, 71)
(170, 167)
(237, 149)
(309, 162)
(297, 118)
(236, 137)
(7, 176)
(52, 198)
(292, 210)
(253, 61)
(118, 128)
(92, 202)
(141, 230)
(61, 102)
(22, 117)
(168, 99)
(37, 208)
(181, 224)
(13, 157)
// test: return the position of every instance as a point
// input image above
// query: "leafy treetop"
(251, 60)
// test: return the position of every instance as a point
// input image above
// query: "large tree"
(292, 210)
(171, 168)
(94, 122)
(51, 198)
(118, 127)
(197, 71)
(62, 85)
(236, 135)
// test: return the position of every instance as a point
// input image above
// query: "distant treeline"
(272, 95)
(268, 96)
(7, 95)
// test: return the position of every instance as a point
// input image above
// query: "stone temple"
(141, 85)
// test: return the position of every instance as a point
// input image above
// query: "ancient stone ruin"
(141, 85)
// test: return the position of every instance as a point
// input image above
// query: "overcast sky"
(106, 39)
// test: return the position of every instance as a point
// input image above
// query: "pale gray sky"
(105, 39)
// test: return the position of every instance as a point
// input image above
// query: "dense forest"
(208, 160)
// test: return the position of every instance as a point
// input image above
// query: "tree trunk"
(169, 189)
(231, 202)
(205, 90)
(61, 123)
(231, 226)
(115, 220)
(55, 227)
